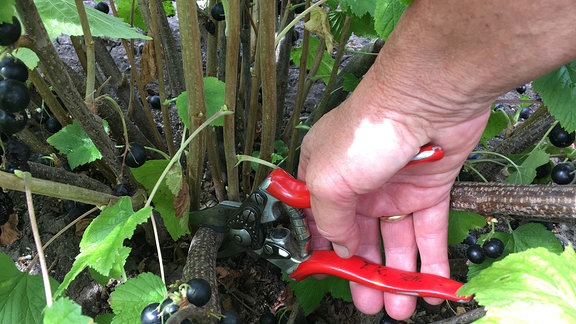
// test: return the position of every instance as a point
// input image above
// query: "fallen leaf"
(318, 24)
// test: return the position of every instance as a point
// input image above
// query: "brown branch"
(201, 263)
(546, 202)
(56, 71)
(465, 318)
(231, 81)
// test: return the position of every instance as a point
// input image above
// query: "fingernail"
(342, 251)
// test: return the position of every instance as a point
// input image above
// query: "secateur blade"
(216, 218)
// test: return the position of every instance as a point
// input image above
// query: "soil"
(248, 285)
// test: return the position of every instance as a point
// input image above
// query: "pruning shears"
(254, 225)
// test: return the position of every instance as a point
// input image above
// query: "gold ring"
(391, 219)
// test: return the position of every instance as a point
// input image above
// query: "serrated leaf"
(558, 91)
(129, 299)
(75, 144)
(22, 298)
(350, 82)
(174, 179)
(124, 8)
(310, 291)
(497, 122)
(360, 7)
(147, 175)
(61, 18)
(65, 311)
(27, 56)
(460, 224)
(526, 171)
(7, 10)
(326, 63)
(214, 92)
(386, 16)
(533, 286)
(533, 235)
(101, 247)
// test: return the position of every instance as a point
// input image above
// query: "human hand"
(352, 162)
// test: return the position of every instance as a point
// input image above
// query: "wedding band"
(391, 219)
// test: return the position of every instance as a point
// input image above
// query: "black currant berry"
(470, 240)
(52, 125)
(526, 112)
(39, 115)
(10, 123)
(154, 102)
(563, 173)
(475, 254)
(136, 155)
(559, 137)
(267, 318)
(167, 308)
(217, 11)
(543, 170)
(198, 292)
(14, 96)
(493, 248)
(230, 317)
(12, 68)
(103, 7)
(151, 314)
(10, 32)
(121, 190)
(521, 89)
(210, 27)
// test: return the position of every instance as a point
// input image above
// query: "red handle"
(378, 276)
(294, 193)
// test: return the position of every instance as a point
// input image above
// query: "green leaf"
(61, 18)
(75, 144)
(65, 311)
(310, 291)
(325, 65)
(129, 299)
(124, 8)
(101, 247)
(214, 92)
(7, 10)
(526, 236)
(104, 318)
(526, 171)
(386, 16)
(496, 124)
(534, 286)
(22, 298)
(460, 224)
(350, 82)
(533, 235)
(147, 175)
(360, 7)
(558, 91)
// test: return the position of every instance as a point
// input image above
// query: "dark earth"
(248, 285)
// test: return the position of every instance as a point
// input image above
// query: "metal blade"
(215, 217)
